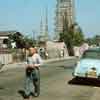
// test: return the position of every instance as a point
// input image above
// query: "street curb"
(59, 59)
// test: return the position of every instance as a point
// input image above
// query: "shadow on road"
(2, 88)
(22, 93)
(85, 82)
(1, 66)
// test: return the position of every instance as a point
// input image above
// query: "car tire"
(99, 77)
(77, 78)
(86, 75)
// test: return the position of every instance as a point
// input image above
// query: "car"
(89, 64)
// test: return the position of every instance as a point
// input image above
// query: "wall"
(6, 58)
(54, 49)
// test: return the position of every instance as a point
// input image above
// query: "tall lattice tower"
(46, 24)
(62, 7)
(44, 36)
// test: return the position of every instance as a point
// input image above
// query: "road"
(56, 84)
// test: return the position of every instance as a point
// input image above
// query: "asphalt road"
(56, 84)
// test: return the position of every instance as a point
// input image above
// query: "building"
(56, 49)
(4, 36)
(62, 7)
(53, 49)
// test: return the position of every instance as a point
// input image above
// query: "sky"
(25, 15)
(88, 16)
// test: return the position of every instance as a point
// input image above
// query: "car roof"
(96, 49)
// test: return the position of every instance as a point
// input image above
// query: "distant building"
(53, 49)
(56, 49)
(62, 7)
(4, 36)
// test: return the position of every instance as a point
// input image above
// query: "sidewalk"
(45, 62)
(59, 59)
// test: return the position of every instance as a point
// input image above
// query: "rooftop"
(5, 33)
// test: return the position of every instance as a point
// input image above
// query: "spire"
(46, 23)
(41, 26)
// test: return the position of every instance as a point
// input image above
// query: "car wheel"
(99, 77)
(77, 78)
(86, 75)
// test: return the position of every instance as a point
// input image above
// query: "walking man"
(32, 74)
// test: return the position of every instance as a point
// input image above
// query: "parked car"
(89, 64)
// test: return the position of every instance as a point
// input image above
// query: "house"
(4, 36)
(54, 49)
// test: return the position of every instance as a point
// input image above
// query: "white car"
(89, 64)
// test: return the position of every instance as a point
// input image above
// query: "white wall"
(54, 49)
(6, 58)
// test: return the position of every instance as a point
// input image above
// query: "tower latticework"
(62, 7)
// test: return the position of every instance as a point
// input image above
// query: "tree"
(89, 41)
(67, 35)
(94, 40)
(70, 35)
(21, 40)
(78, 36)
(18, 38)
(29, 42)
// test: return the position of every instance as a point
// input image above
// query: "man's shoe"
(26, 96)
(36, 94)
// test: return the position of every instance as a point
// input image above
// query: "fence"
(5, 56)
(9, 56)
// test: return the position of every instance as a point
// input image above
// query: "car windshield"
(91, 54)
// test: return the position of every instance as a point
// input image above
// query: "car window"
(91, 54)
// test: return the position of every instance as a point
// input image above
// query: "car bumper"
(86, 74)
(79, 75)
